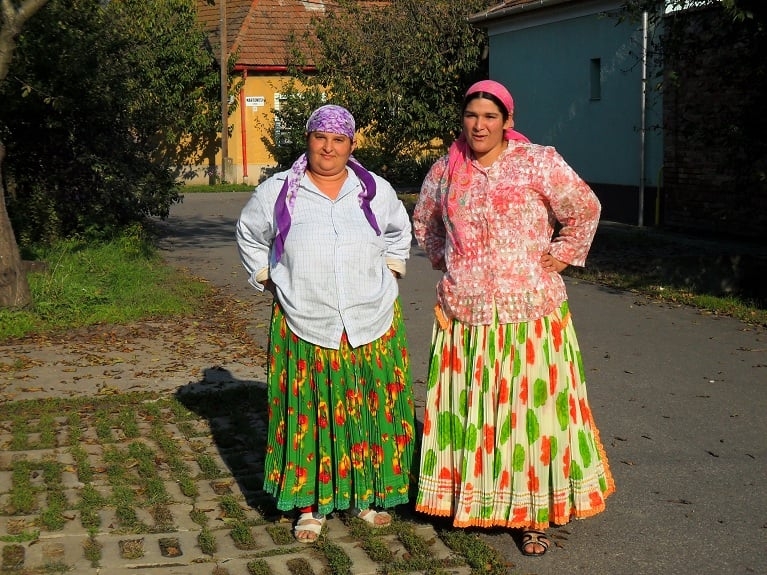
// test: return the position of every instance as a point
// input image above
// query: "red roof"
(260, 29)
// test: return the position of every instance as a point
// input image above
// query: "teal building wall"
(577, 85)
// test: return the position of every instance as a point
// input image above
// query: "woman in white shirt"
(329, 239)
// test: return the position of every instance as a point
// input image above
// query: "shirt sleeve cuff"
(397, 266)
(257, 279)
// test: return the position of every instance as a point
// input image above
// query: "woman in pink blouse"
(508, 439)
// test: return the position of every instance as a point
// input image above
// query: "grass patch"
(112, 282)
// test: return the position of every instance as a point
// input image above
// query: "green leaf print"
(463, 403)
(553, 446)
(429, 462)
(470, 442)
(543, 515)
(433, 372)
(579, 363)
(506, 342)
(491, 351)
(519, 457)
(505, 431)
(533, 427)
(486, 378)
(540, 393)
(585, 448)
(449, 431)
(522, 334)
(486, 512)
(563, 410)
(575, 471)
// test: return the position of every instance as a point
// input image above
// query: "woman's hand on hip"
(552, 264)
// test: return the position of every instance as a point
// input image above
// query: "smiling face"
(327, 153)
(483, 125)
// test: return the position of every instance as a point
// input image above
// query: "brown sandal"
(532, 537)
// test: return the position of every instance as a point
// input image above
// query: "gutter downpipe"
(244, 128)
(643, 123)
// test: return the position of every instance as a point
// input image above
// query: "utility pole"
(224, 92)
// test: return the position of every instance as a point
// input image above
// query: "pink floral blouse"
(488, 233)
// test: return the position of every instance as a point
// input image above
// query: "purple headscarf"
(335, 120)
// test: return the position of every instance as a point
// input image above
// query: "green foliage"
(400, 67)
(100, 102)
(100, 282)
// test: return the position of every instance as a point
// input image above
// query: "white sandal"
(311, 524)
(372, 517)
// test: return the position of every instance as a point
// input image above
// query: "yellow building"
(259, 32)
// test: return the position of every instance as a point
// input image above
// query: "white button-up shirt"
(334, 273)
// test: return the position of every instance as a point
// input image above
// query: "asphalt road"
(680, 398)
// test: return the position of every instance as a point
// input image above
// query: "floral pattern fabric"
(509, 439)
(489, 233)
(341, 422)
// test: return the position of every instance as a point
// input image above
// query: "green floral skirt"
(341, 422)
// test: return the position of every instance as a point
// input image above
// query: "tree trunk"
(14, 289)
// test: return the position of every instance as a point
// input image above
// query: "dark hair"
(487, 96)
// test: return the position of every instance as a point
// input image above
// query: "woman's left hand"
(552, 264)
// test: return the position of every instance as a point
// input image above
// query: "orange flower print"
(478, 370)
(503, 391)
(530, 352)
(520, 515)
(445, 362)
(505, 480)
(373, 402)
(322, 420)
(596, 500)
(359, 454)
(566, 463)
(546, 450)
(556, 334)
(538, 328)
(585, 411)
(344, 466)
(553, 378)
(533, 483)
(523, 384)
(378, 455)
(489, 432)
(455, 361)
(339, 414)
(573, 414)
(478, 462)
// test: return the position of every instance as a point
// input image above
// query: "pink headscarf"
(460, 153)
(460, 157)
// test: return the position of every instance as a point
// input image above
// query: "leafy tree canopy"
(400, 67)
(100, 100)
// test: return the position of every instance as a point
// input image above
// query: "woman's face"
(327, 153)
(483, 126)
